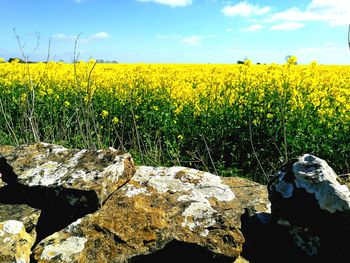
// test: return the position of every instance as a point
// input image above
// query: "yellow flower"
(269, 116)
(313, 63)
(115, 120)
(23, 97)
(180, 137)
(66, 104)
(104, 114)
(292, 60)
(247, 62)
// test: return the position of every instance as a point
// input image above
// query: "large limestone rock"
(309, 200)
(50, 165)
(161, 214)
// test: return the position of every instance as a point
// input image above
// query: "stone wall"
(68, 205)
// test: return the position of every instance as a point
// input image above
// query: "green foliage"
(251, 136)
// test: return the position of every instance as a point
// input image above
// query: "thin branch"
(253, 149)
(8, 123)
(211, 159)
(31, 107)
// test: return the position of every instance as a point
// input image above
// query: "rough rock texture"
(17, 232)
(59, 184)
(15, 242)
(49, 165)
(27, 215)
(307, 198)
(61, 205)
(161, 213)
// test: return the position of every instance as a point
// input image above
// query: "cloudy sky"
(178, 31)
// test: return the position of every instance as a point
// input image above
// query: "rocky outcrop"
(166, 211)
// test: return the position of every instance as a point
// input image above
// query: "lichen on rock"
(15, 242)
(51, 165)
(317, 177)
(159, 206)
(64, 250)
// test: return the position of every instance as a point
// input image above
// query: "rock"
(49, 165)
(309, 200)
(64, 184)
(161, 214)
(15, 242)
(17, 232)
(29, 216)
(241, 259)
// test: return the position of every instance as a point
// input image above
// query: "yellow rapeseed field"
(220, 117)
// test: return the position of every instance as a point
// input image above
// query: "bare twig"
(208, 150)
(137, 133)
(253, 149)
(9, 124)
(31, 106)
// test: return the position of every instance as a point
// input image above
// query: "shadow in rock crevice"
(266, 241)
(59, 206)
(177, 251)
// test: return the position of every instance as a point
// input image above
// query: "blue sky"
(178, 31)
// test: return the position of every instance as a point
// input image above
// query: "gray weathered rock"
(50, 165)
(309, 200)
(161, 211)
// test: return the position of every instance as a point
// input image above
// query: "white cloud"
(100, 35)
(252, 28)
(287, 26)
(172, 3)
(244, 9)
(78, 1)
(192, 40)
(229, 29)
(334, 12)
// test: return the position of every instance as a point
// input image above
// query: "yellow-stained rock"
(241, 259)
(15, 242)
(157, 207)
(29, 216)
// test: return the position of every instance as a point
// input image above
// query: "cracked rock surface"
(49, 165)
(161, 210)
(70, 205)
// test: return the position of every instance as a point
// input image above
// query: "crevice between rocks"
(266, 241)
(59, 206)
(179, 251)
